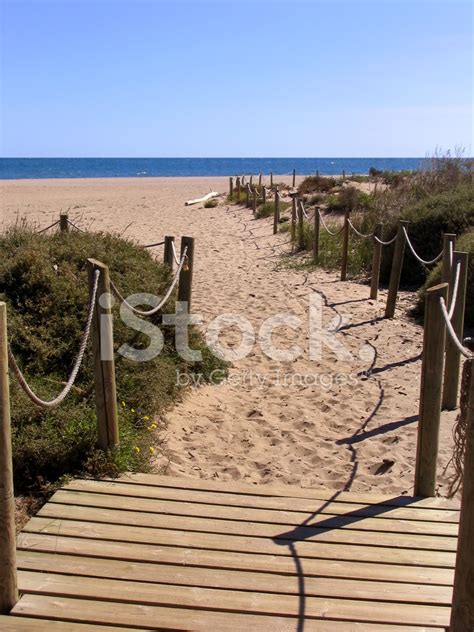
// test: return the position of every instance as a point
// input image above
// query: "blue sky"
(235, 78)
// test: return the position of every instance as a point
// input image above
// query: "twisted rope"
(175, 256)
(304, 211)
(455, 291)
(159, 243)
(457, 343)
(358, 232)
(77, 364)
(43, 230)
(74, 226)
(326, 227)
(386, 243)
(423, 261)
(155, 309)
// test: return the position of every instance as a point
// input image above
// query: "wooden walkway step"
(147, 552)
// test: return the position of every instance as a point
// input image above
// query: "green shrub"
(43, 280)
(449, 212)
(464, 244)
(312, 184)
(265, 210)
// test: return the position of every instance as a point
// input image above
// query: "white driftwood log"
(213, 194)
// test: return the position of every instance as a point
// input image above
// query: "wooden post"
(449, 245)
(276, 213)
(185, 283)
(264, 195)
(237, 187)
(168, 257)
(345, 246)
(396, 272)
(254, 201)
(294, 178)
(64, 223)
(453, 357)
(462, 609)
(343, 175)
(231, 187)
(242, 181)
(271, 179)
(376, 259)
(251, 181)
(8, 576)
(103, 354)
(434, 338)
(316, 235)
(260, 179)
(317, 173)
(293, 218)
(247, 193)
(300, 225)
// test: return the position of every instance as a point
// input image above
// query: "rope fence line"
(416, 255)
(158, 243)
(369, 236)
(54, 403)
(43, 230)
(81, 230)
(449, 327)
(175, 254)
(165, 299)
(454, 296)
(327, 229)
(385, 243)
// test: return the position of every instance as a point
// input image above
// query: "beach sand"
(347, 430)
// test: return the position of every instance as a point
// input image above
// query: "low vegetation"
(43, 280)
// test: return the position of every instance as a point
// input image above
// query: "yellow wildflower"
(137, 449)
(152, 450)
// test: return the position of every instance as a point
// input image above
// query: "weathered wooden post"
(343, 175)
(260, 179)
(185, 282)
(242, 181)
(462, 609)
(434, 338)
(264, 195)
(8, 576)
(231, 187)
(345, 246)
(64, 222)
(316, 229)
(251, 181)
(254, 201)
(276, 213)
(271, 179)
(376, 259)
(300, 224)
(247, 195)
(396, 272)
(453, 357)
(168, 257)
(294, 178)
(103, 354)
(237, 186)
(293, 217)
(449, 245)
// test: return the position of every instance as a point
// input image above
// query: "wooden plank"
(148, 617)
(234, 580)
(229, 600)
(180, 555)
(253, 529)
(288, 491)
(27, 624)
(258, 502)
(244, 544)
(271, 516)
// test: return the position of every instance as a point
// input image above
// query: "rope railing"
(326, 228)
(54, 403)
(416, 255)
(158, 243)
(80, 230)
(165, 299)
(454, 296)
(357, 232)
(43, 230)
(385, 243)
(458, 344)
(175, 254)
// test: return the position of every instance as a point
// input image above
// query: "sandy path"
(347, 429)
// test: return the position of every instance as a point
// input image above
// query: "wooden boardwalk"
(159, 553)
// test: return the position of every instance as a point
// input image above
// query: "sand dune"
(355, 431)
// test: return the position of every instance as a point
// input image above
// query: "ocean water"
(27, 168)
